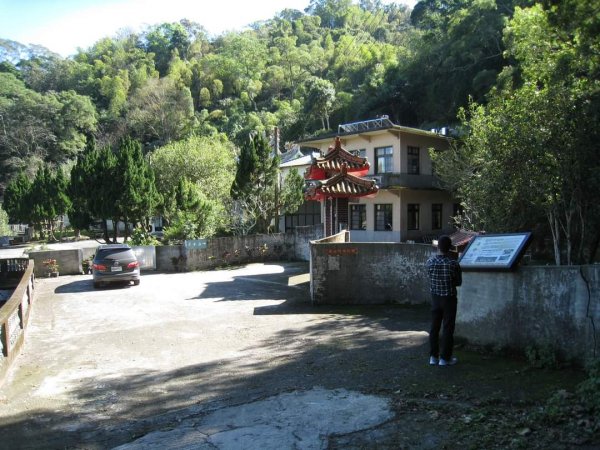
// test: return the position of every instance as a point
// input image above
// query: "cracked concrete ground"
(233, 358)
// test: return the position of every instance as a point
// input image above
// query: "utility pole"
(276, 153)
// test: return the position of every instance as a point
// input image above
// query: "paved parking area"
(238, 358)
(102, 368)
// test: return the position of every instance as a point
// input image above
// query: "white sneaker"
(452, 361)
(433, 361)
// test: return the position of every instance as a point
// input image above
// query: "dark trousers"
(443, 315)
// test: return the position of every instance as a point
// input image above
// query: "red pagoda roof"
(342, 184)
(337, 156)
(461, 238)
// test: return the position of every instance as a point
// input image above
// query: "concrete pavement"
(238, 358)
(225, 359)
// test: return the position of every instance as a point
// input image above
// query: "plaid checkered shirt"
(444, 275)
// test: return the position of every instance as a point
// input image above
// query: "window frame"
(362, 216)
(413, 216)
(437, 214)
(413, 154)
(388, 211)
(387, 157)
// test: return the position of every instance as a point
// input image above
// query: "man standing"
(444, 276)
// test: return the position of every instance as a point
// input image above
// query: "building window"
(413, 216)
(413, 160)
(309, 213)
(383, 159)
(358, 217)
(383, 217)
(436, 216)
(362, 152)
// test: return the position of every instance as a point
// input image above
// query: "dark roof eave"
(329, 136)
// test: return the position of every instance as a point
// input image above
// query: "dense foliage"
(112, 185)
(524, 73)
(531, 159)
(39, 202)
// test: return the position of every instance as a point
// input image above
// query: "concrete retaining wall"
(536, 306)
(368, 273)
(69, 261)
(238, 250)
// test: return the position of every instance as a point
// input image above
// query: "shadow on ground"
(378, 350)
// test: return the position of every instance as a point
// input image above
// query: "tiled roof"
(462, 237)
(342, 184)
(337, 156)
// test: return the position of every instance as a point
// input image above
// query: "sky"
(64, 25)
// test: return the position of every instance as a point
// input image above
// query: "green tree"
(161, 112)
(4, 228)
(320, 99)
(531, 156)
(48, 200)
(164, 40)
(82, 189)
(117, 186)
(138, 197)
(193, 215)
(206, 162)
(36, 127)
(15, 199)
(256, 183)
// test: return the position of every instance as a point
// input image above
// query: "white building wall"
(399, 198)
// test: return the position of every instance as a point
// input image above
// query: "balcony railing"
(406, 180)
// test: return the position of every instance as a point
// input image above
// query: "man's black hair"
(444, 244)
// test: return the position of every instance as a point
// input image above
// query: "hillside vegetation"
(518, 80)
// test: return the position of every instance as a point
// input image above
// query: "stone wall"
(535, 306)
(368, 273)
(238, 250)
(69, 261)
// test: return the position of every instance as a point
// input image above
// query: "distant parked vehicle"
(115, 263)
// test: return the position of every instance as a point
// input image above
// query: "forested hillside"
(522, 75)
(301, 71)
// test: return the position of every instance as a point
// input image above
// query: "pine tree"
(138, 197)
(15, 203)
(255, 187)
(81, 189)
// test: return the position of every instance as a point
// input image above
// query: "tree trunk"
(105, 229)
(115, 230)
(555, 229)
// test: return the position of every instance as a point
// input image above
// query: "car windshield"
(115, 253)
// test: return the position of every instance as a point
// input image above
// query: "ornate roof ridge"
(337, 151)
(367, 183)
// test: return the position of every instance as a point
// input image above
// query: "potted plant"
(51, 266)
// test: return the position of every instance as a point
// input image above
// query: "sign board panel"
(495, 251)
(195, 243)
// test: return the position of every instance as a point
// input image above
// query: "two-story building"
(411, 204)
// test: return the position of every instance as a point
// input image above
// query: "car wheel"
(136, 282)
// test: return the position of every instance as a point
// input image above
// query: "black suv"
(115, 263)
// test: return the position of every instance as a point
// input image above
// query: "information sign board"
(495, 251)
(195, 243)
